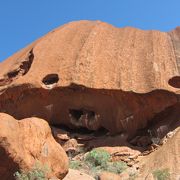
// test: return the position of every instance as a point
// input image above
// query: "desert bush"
(116, 167)
(75, 164)
(161, 174)
(99, 160)
(97, 157)
(38, 172)
(96, 161)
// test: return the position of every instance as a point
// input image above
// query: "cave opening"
(50, 79)
(91, 114)
(13, 74)
(80, 114)
(76, 114)
(81, 120)
(74, 132)
(174, 82)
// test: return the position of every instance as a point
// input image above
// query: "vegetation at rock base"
(161, 174)
(98, 157)
(38, 172)
(116, 167)
(75, 164)
(96, 161)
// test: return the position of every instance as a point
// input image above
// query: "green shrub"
(96, 161)
(97, 157)
(116, 167)
(99, 160)
(75, 164)
(37, 173)
(161, 174)
(95, 171)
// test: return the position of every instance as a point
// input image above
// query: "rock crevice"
(20, 70)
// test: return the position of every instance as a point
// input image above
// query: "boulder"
(28, 142)
(71, 147)
(60, 135)
(109, 176)
(75, 174)
(124, 176)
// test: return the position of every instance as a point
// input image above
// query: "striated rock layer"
(91, 74)
(26, 144)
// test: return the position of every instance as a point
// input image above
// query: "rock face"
(27, 142)
(91, 74)
(166, 157)
(175, 36)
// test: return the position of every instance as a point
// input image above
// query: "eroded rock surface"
(91, 74)
(165, 157)
(27, 142)
(109, 176)
(75, 174)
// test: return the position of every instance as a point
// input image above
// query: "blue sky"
(23, 21)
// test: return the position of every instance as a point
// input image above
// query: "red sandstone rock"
(165, 157)
(175, 36)
(123, 153)
(124, 176)
(60, 135)
(91, 74)
(70, 145)
(77, 175)
(109, 176)
(27, 142)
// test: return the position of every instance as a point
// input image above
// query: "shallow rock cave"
(84, 118)
(81, 130)
(91, 109)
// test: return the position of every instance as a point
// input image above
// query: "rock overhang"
(78, 106)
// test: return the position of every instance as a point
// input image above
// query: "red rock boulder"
(27, 142)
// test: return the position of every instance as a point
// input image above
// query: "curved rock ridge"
(98, 55)
(24, 144)
(91, 74)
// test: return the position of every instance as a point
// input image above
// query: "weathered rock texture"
(109, 176)
(166, 157)
(24, 144)
(175, 36)
(75, 174)
(91, 74)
